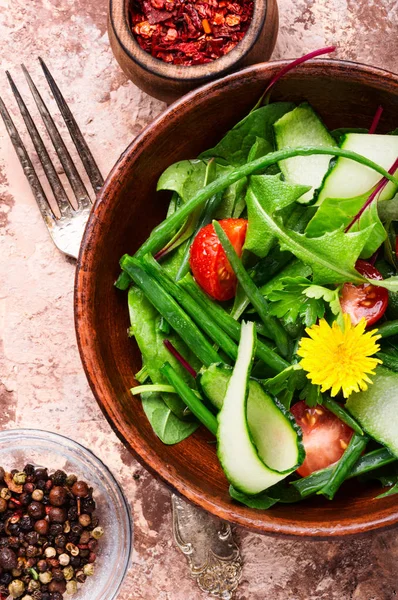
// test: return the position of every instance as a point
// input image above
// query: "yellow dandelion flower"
(339, 358)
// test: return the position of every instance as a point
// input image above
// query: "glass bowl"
(41, 448)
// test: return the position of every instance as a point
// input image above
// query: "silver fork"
(67, 229)
(207, 542)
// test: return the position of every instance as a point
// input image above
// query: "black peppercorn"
(60, 541)
(8, 559)
(32, 538)
(57, 595)
(57, 575)
(55, 529)
(88, 505)
(26, 523)
(5, 578)
(75, 562)
(29, 469)
(57, 586)
(2, 474)
(59, 477)
(36, 510)
(25, 499)
(41, 473)
(72, 513)
(57, 515)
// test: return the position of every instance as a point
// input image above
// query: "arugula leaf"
(337, 213)
(273, 194)
(235, 146)
(167, 426)
(331, 257)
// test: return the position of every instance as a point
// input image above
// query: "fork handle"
(207, 542)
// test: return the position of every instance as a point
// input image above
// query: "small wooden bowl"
(168, 82)
(128, 207)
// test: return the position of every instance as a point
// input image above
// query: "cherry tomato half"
(208, 261)
(325, 437)
(365, 300)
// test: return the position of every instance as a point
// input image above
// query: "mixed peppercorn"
(48, 534)
(186, 32)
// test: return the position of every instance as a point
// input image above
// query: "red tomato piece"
(325, 437)
(208, 261)
(367, 300)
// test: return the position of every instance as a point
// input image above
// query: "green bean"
(164, 231)
(171, 311)
(205, 219)
(190, 398)
(192, 308)
(123, 282)
(389, 360)
(388, 329)
(340, 472)
(229, 325)
(342, 414)
(369, 462)
(273, 326)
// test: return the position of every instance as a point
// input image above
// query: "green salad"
(265, 305)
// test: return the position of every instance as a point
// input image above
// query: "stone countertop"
(41, 379)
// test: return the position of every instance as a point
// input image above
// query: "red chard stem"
(376, 119)
(180, 358)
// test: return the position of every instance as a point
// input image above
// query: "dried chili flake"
(189, 32)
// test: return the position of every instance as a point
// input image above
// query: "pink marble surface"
(41, 378)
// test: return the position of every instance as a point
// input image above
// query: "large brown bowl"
(346, 95)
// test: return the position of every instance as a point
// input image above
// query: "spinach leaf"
(337, 213)
(388, 210)
(391, 492)
(185, 177)
(272, 194)
(280, 492)
(260, 501)
(169, 428)
(235, 146)
(143, 318)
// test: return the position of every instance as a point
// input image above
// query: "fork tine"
(71, 172)
(51, 174)
(88, 160)
(34, 182)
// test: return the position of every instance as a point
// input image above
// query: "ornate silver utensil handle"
(207, 542)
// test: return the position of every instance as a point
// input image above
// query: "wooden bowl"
(168, 82)
(128, 207)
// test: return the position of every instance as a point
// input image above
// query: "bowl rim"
(90, 356)
(60, 439)
(194, 73)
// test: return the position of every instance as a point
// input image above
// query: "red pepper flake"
(189, 32)
(206, 26)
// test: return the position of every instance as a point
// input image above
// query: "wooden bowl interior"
(129, 207)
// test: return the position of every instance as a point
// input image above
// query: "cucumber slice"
(303, 127)
(273, 429)
(349, 179)
(376, 409)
